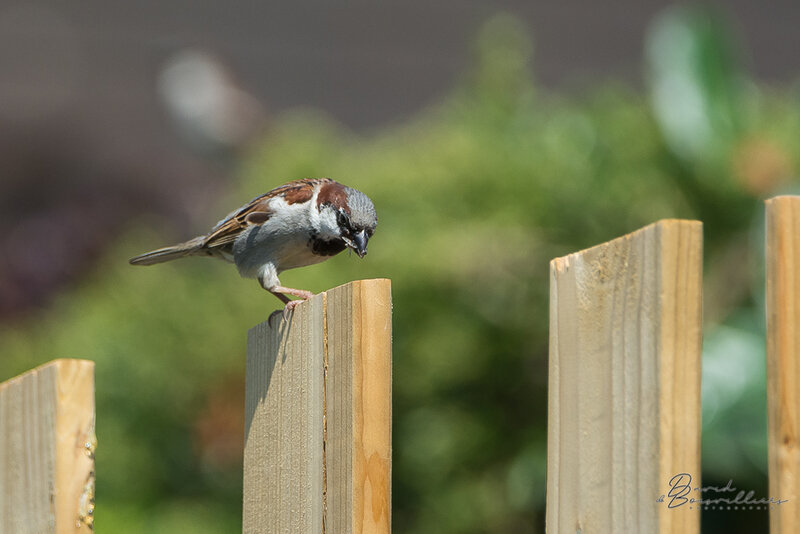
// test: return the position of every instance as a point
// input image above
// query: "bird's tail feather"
(174, 252)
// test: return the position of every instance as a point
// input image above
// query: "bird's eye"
(343, 220)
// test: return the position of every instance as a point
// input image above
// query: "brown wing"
(257, 211)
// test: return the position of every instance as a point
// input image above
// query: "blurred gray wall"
(364, 62)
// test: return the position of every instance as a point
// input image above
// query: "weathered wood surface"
(624, 383)
(47, 447)
(318, 416)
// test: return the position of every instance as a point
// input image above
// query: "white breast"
(282, 242)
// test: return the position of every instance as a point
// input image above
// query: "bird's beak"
(359, 243)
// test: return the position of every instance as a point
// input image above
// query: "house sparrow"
(297, 224)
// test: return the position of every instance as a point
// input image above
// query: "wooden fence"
(317, 454)
(624, 402)
(47, 449)
(624, 390)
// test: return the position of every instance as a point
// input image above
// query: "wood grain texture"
(283, 425)
(359, 393)
(783, 365)
(47, 449)
(318, 416)
(624, 382)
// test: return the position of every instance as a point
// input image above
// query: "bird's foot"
(281, 292)
(286, 312)
(302, 294)
(291, 305)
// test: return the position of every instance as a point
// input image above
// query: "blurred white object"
(208, 106)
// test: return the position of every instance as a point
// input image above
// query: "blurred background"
(492, 137)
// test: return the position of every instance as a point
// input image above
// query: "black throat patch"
(326, 248)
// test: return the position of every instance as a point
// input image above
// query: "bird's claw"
(290, 306)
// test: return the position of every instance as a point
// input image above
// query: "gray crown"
(362, 211)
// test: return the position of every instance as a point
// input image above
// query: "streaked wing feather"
(228, 229)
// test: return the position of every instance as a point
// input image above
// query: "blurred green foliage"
(475, 196)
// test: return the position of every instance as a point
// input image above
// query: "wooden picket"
(47, 448)
(624, 386)
(318, 416)
(783, 360)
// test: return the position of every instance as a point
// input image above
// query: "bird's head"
(355, 215)
(359, 222)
